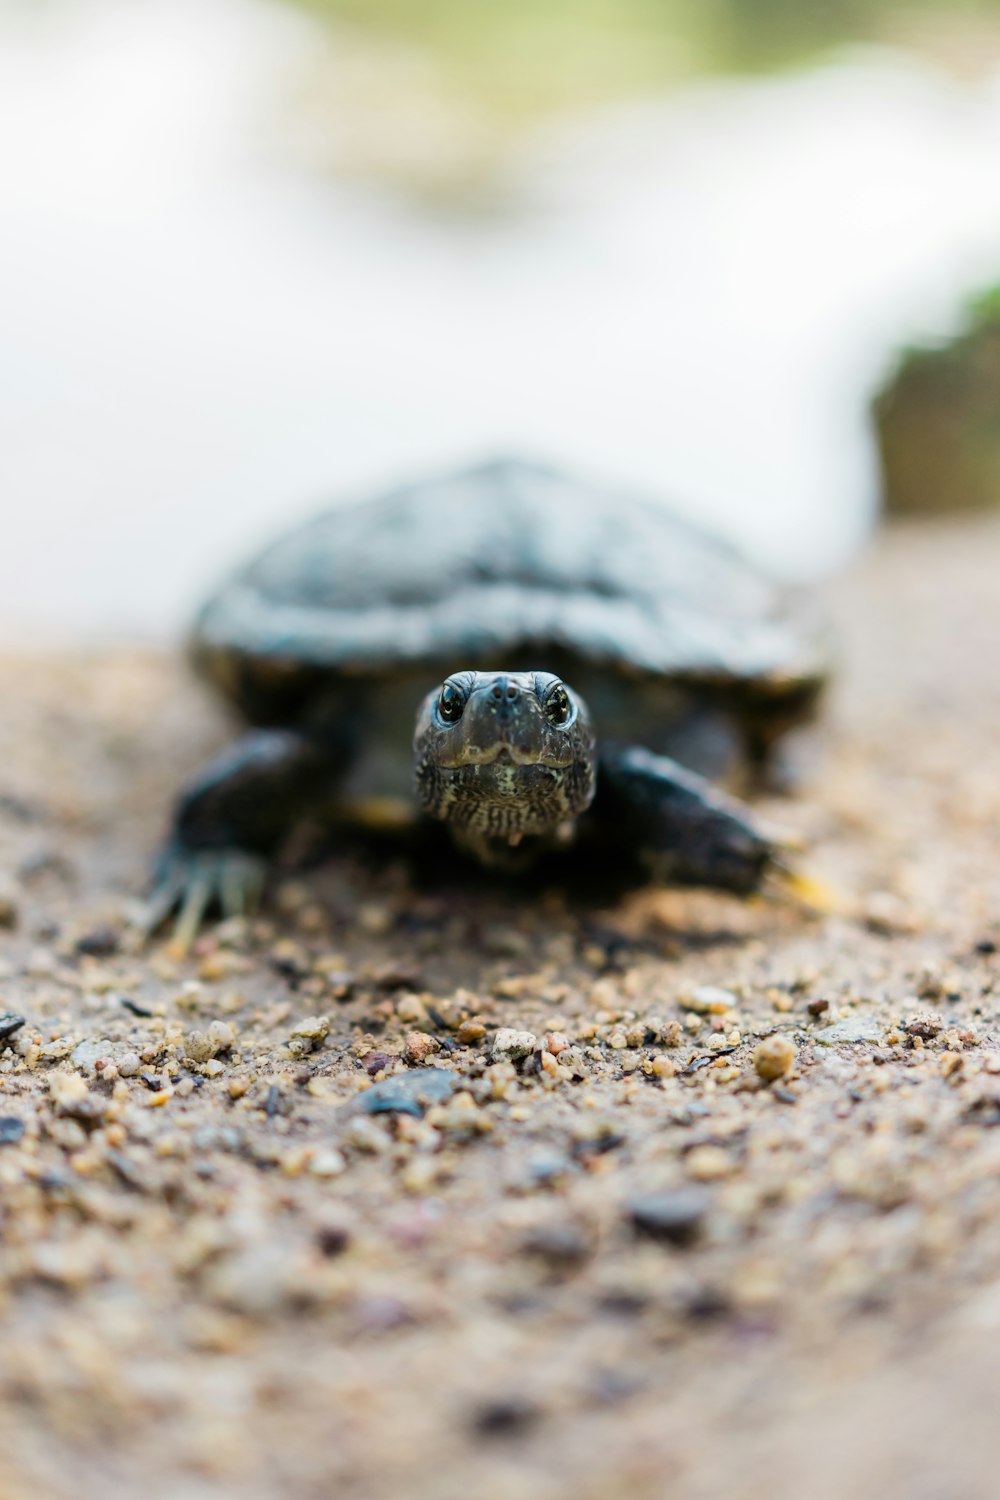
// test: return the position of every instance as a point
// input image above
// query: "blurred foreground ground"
(214, 1282)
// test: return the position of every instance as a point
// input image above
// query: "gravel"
(674, 1218)
(589, 1247)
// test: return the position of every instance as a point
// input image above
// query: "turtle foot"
(193, 882)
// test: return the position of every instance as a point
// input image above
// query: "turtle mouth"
(503, 754)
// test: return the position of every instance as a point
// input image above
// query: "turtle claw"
(193, 882)
(808, 891)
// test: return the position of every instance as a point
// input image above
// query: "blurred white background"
(203, 336)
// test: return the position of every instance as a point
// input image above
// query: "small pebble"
(198, 1047)
(774, 1057)
(508, 1416)
(923, 1024)
(365, 1135)
(11, 1130)
(87, 1055)
(309, 1034)
(327, 1163)
(461, 1116)
(707, 1163)
(851, 1029)
(101, 942)
(562, 1244)
(708, 1000)
(674, 1217)
(511, 1046)
(419, 1046)
(9, 908)
(546, 1168)
(378, 1062)
(411, 1008)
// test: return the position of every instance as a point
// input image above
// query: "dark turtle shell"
(508, 563)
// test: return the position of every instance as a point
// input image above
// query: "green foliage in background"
(526, 56)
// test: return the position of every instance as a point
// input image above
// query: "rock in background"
(938, 421)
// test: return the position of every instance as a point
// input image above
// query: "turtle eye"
(557, 707)
(451, 703)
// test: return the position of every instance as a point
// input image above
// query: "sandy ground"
(624, 1264)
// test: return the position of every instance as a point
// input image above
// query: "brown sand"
(627, 1264)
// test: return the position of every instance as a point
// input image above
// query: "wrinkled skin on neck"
(504, 757)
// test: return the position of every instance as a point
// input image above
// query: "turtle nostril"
(496, 692)
(511, 693)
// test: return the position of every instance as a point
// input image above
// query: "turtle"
(521, 656)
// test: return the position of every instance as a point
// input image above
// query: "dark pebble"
(705, 1061)
(293, 969)
(376, 1061)
(10, 1023)
(985, 1110)
(707, 1304)
(602, 1144)
(333, 1239)
(926, 1027)
(508, 1416)
(101, 943)
(674, 1218)
(11, 1130)
(624, 1302)
(405, 1093)
(134, 1008)
(561, 1245)
(396, 976)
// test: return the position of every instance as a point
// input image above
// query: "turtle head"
(503, 755)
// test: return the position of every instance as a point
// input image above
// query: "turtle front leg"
(229, 822)
(693, 833)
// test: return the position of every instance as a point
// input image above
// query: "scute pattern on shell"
(506, 560)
